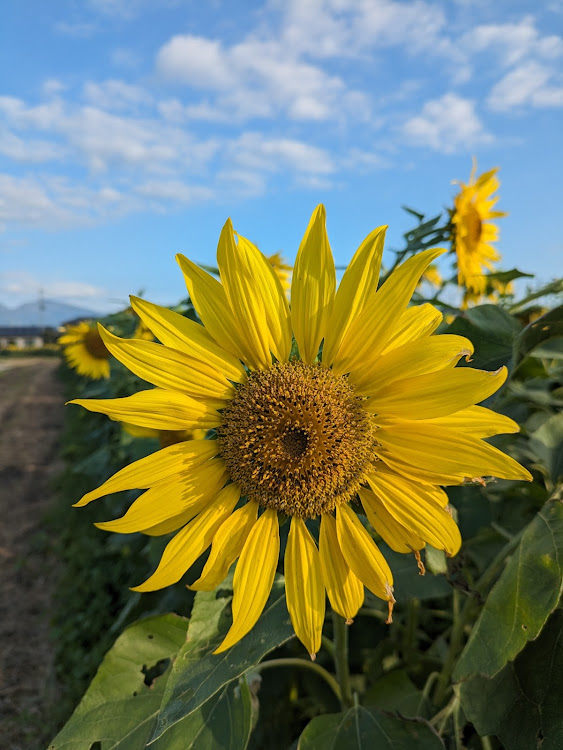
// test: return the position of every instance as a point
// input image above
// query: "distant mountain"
(45, 313)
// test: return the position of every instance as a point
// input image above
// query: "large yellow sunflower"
(473, 233)
(344, 400)
(85, 350)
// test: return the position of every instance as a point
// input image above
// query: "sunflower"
(343, 401)
(165, 437)
(473, 233)
(283, 271)
(85, 350)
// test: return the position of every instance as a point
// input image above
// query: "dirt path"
(31, 402)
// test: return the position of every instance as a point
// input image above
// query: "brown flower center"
(94, 344)
(474, 227)
(296, 438)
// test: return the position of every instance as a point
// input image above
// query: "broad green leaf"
(522, 703)
(547, 443)
(198, 674)
(549, 326)
(224, 722)
(366, 729)
(522, 599)
(395, 692)
(492, 332)
(119, 708)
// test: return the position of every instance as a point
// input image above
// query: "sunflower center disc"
(296, 438)
(474, 226)
(94, 344)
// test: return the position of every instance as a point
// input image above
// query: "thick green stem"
(303, 663)
(341, 659)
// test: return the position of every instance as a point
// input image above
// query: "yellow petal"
(158, 409)
(477, 421)
(362, 554)
(418, 321)
(189, 543)
(428, 354)
(182, 495)
(393, 533)
(345, 591)
(158, 467)
(416, 510)
(375, 325)
(304, 587)
(357, 287)
(312, 287)
(168, 368)
(254, 576)
(436, 394)
(179, 332)
(210, 301)
(446, 453)
(256, 298)
(226, 547)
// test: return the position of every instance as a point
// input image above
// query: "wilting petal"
(304, 587)
(362, 555)
(345, 591)
(393, 533)
(158, 409)
(189, 543)
(356, 289)
(158, 467)
(254, 576)
(312, 287)
(227, 546)
(416, 510)
(177, 331)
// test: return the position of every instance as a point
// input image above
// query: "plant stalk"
(341, 659)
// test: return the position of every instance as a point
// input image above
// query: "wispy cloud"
(528, 84)
(447, 124)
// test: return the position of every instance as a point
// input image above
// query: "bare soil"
(31, 401)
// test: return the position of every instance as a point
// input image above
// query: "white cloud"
(52, 86)
(175, 191)
(80, 29)
(256, 79)
(512, 42)
(27, 151)
(447, 124)
(257, 152)
(528, 84)
(114, 94)
(20, 286)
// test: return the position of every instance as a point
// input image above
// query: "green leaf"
(198, 674)
(506, 277)
(396, 692)
(522, 703)
(408, 582)
(547, 443)
(365, 729)
(435, 560)
(225, 721)
(119, 708)
(554, 287)
(492, 331)
(521, 600)
(549, 326)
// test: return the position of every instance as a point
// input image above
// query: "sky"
(130, 130)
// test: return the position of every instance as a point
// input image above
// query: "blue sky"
(131, 129)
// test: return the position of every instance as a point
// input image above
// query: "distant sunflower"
(372, 411)
(473, 232)
(283, 271)
(85, 350)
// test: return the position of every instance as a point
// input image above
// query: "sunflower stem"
(305, 664)
(341, 659)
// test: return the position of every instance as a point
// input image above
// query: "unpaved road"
(31, 403)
